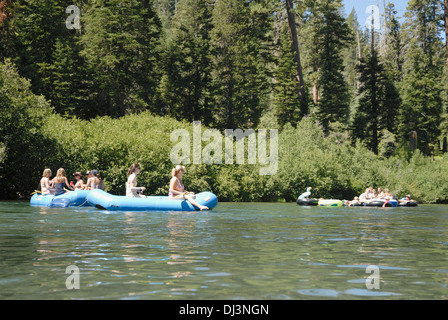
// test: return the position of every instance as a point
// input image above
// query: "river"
(274, 251)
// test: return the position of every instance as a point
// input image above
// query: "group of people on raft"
(57, 185)
(367, 196)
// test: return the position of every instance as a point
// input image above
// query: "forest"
(101, 84)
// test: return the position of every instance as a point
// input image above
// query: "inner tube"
(357, 204)
(379, 203)
(330, 203)
(307, 202)
(408, 204)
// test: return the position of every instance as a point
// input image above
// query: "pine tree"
(393, 57)
(328, 34)
(240, 75)
(352, 53)
(286, 95)
(186, 89)
(422, 84)
(64, 79)
(120, 41)
(378, 102)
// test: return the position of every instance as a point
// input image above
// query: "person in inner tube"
(354, 201)
(306, 194)
(386, 202)
(407, 198)
(381, 194)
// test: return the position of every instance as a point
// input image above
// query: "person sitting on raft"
(363, 197)
(386, 202)
(45, 183)
(306, 194)
(132, 191)
(353, 202)
(92, 182)
(371, 194)
(381, 194)
(407, 198)
(59, 182)
(177, 190)
(79, 185)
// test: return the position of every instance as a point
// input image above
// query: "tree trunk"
(446, 32)
(295, 48)
(374, 101)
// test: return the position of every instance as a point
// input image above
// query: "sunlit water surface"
(236, 251)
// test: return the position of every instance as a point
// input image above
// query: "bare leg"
(193, 202)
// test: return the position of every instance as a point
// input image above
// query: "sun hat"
(77, 174)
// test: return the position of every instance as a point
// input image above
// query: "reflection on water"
(237, 251)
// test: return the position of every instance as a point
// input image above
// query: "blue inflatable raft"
(103, 200)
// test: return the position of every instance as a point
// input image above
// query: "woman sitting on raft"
(177, 190)
(92, 182)
(79, 185)
(59, 182)
(132, 191)
(45, 183)
(306, 194)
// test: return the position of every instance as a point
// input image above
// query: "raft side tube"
(102, 199)
(77, 198)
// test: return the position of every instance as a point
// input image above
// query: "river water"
(236, 251)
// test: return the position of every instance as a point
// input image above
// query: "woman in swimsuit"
(59, 182)
(45, 183)
(93, 182)
(79, 185)
(132, 191)
(177, 190)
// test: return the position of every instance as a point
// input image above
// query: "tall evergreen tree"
(186, 89)
(239, 47)
(423, 73)
(352, 53)
(120, 41)
(378, 101)
(286, 95)
(329, 34)
(393, 56)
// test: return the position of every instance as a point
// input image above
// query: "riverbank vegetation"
(354, 107)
